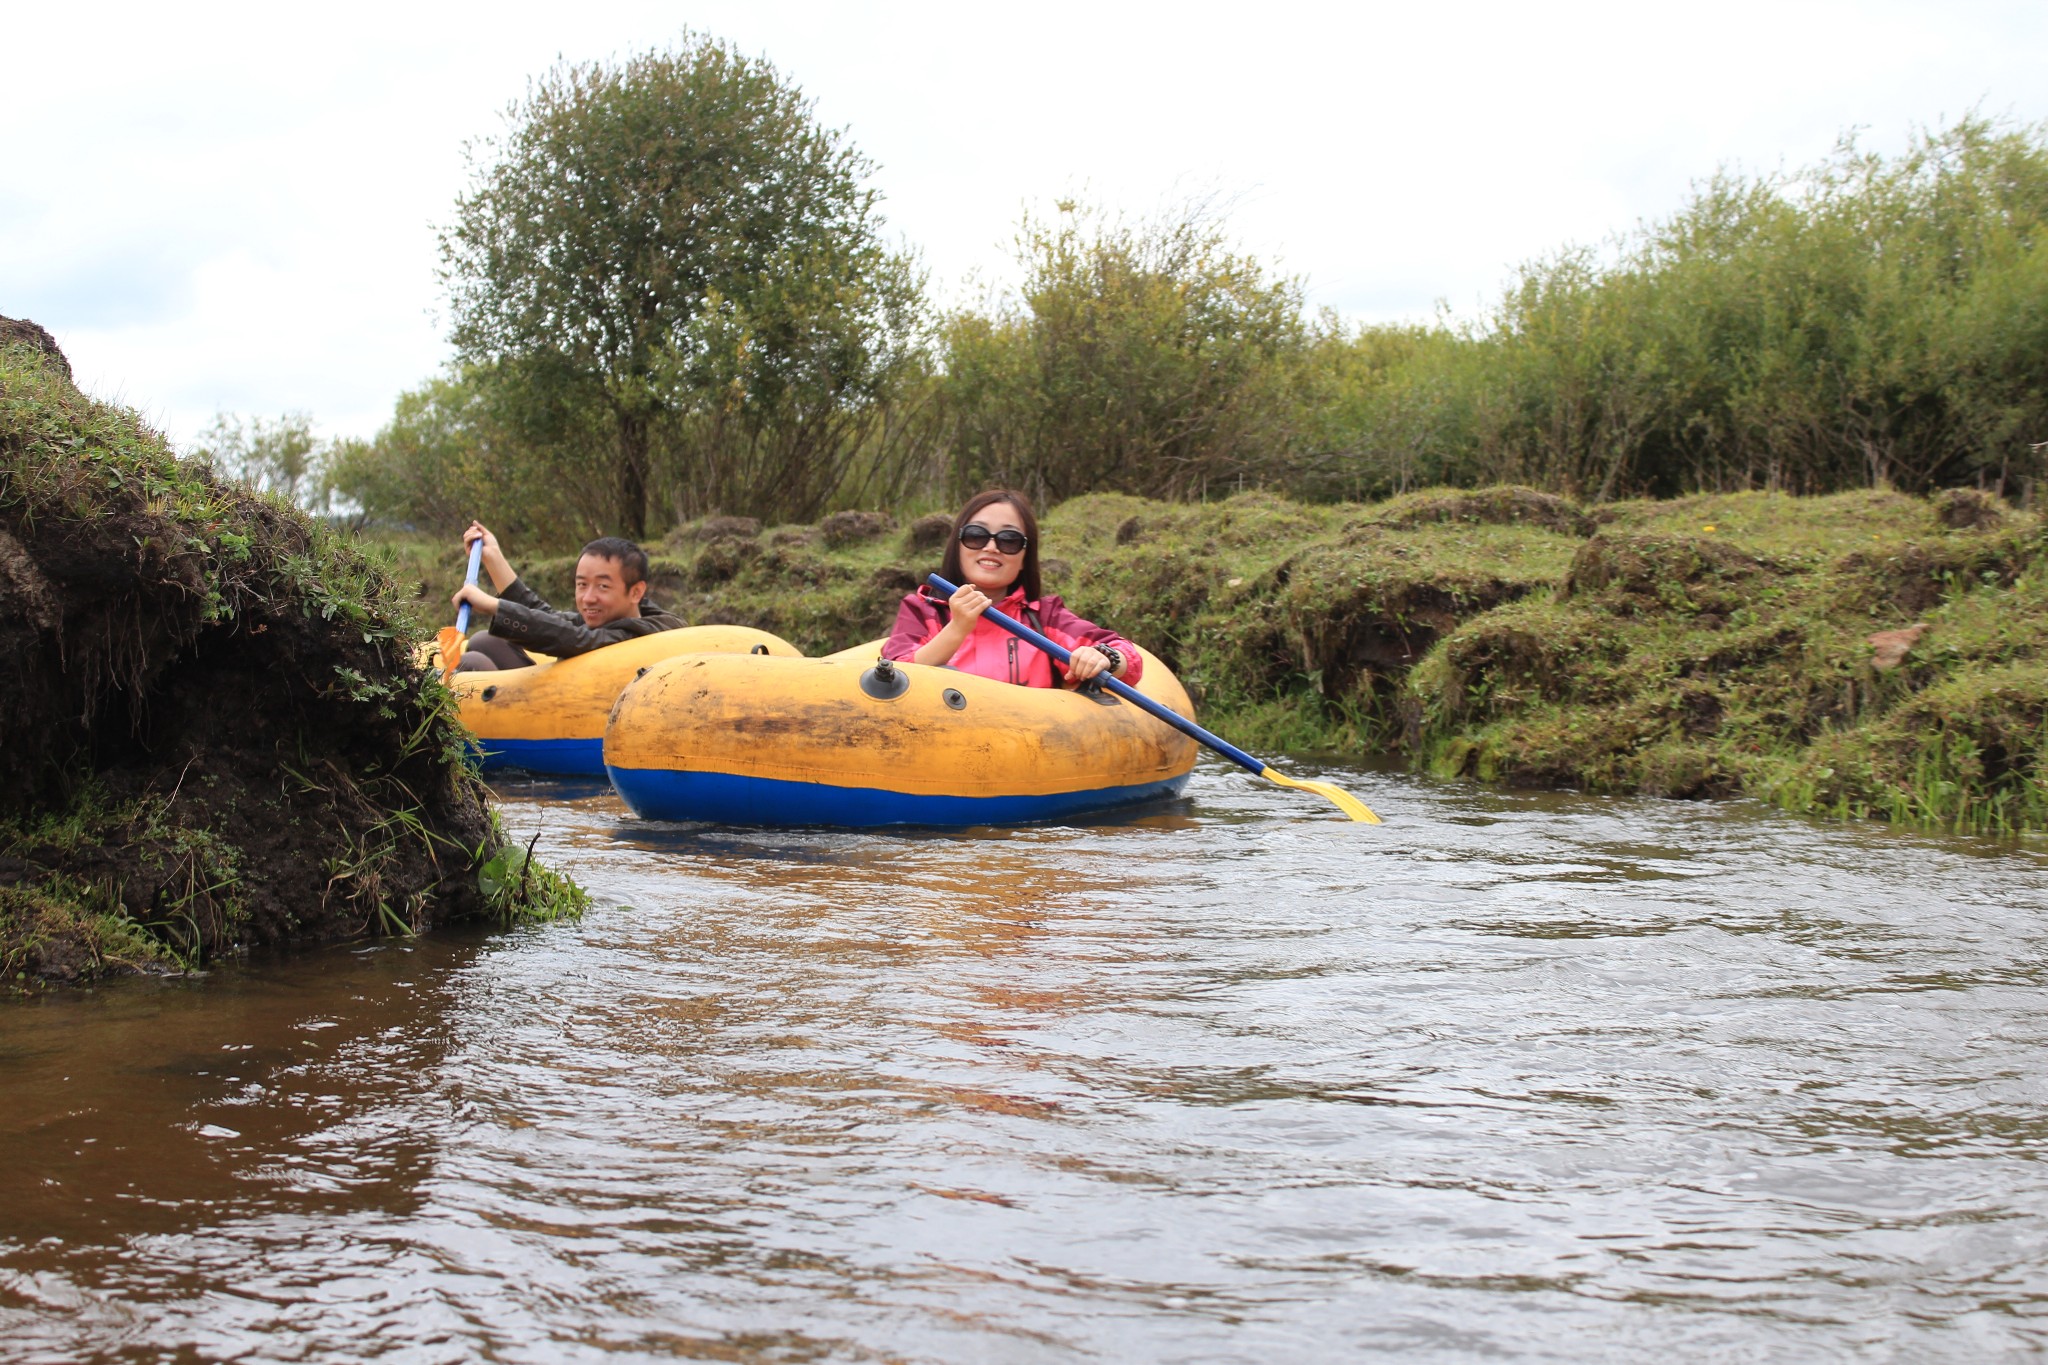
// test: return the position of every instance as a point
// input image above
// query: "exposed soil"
(842, 529)
(215, 729)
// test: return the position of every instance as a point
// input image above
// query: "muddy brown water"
(1510, 1077)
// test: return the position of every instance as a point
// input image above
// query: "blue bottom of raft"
(662, 794)
(551, 757)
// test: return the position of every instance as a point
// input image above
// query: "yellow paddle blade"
(1337, 796)
(449, 642)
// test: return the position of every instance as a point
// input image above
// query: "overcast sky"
(225, 208)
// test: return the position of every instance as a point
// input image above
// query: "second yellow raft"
(550, 718)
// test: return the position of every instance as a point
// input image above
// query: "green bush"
(1148, 359)
(1870, 321)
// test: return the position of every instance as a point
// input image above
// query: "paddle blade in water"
(1336, 796)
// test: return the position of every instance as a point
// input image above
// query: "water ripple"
(1537, 1077)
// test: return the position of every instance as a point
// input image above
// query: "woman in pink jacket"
(993, 556)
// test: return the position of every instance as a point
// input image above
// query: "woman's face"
(989, 568)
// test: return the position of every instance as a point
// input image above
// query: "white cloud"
(233, 208)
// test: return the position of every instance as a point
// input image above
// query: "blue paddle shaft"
(1121, 688)
(476, 559)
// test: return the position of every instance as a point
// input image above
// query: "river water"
(1509, 1077)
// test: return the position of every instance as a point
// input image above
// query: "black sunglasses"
(974, 536)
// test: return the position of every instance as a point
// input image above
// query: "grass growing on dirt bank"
(1723, 645)
(215, 734)
(1706, 646)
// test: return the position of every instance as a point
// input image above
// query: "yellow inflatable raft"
(773, 740)
(550, 718)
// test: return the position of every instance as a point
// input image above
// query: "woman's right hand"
(968, 603)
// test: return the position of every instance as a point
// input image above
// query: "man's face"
(601, 592)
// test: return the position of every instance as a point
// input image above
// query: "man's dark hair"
(631, 559)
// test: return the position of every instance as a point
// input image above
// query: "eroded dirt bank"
(215, 736)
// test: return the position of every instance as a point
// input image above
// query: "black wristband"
(1116, 658)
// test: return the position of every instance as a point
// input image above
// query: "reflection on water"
(1510, 1076)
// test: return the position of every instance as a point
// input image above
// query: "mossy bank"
(1709, 646)
(216, 736)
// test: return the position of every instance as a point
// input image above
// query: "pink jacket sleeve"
(917, 620)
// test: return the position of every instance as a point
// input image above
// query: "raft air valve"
(884, 682)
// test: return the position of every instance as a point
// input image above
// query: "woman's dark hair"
(1033, 590)
(631, 559)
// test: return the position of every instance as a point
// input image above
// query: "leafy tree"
(280, 456)
(1148, 358)
(457, 448)
(673, 237)
(810, 389)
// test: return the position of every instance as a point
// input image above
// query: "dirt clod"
(1505, 506)
(22, 332)
(1638, 574)
(851, 528)
(1967, 509)
(929, 532)
(1890, 647)
(714, 528)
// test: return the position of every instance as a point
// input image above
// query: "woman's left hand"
(1087, 662)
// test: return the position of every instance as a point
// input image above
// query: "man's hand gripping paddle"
(451, 637)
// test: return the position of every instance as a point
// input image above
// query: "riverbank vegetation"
(1870, 321)
(1867, 653)
(216, 735)
(1734, 503)
(1554, 544)
(1738, 502)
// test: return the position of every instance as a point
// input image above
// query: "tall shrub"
(1147, 358)
(1870, 320)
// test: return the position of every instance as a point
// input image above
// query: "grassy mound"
(1504, 506)
(216, 733)
(1674, 661)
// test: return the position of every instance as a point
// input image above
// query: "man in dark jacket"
(611, 605)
